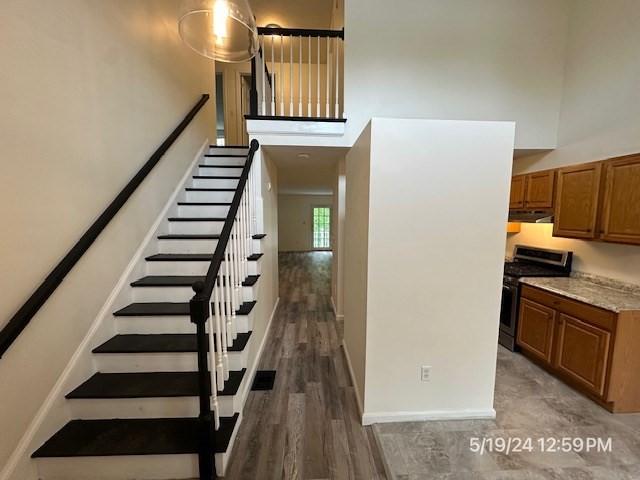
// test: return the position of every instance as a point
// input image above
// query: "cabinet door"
(518, 184)
(583, 352)
(536, 326)
(576, 211)
(540, 189)
(621, 212)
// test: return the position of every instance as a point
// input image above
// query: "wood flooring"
(307, 427)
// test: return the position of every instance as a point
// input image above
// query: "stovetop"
(524, 269)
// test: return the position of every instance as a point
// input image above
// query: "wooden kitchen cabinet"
(583, 352)
(577, 199)
(536, 329)
(621, 203)
(540, 190)
(534, 191)
(592, 349)
(518, 185)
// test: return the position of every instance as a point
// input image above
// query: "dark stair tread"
(216, 177)
(259, 236)
(191, 257)
(161, 309)
(221, 166)
(150, 385)
(195, 189)
(197, 219)
(162, 343)
(223, 155)
(135, 436)
(190, 236)
(204, 204)
(182, 280)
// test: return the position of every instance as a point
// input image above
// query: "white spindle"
(215, 370)
(226, 340)
(318, 90)
(328, 111)
(231, 334)
(291, 76)
(338, 78)
(273, 80)
(309, 81)
(281, 75)
(263, 69)
(215, 343)
(300, 79)
(245, 236)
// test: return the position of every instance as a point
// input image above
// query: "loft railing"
(306, 74)
(215, 303)
(28, 310)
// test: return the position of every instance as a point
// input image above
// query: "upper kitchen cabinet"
(518, 186)
(578, 193)
(540, 190)
(621, 204)
(533, 191)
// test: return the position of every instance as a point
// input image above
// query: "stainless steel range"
(527, 262)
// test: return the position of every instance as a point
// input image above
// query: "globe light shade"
(223, 30)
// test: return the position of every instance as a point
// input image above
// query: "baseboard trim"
(429, 415)
(60, 388)
(353, 381)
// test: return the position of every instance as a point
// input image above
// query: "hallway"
(307, 427)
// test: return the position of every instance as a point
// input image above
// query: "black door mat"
(264, 380)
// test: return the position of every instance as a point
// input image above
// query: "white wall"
(337, 234)
(89, 91)
(600, 118)
(457, 59)
(295, 227)
(431, 298)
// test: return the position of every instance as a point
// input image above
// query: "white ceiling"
(315, 175)
(293, 13)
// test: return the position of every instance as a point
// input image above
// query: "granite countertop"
(604, 293)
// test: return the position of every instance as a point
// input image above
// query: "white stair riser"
(161, 407)
(189, 268)
(220, 171)
(177, 294)
(187, 246)
(220, 211)
(257, 246)
(228, 151)
(196, 227)
(127, 467)
(208, 196)
(159, 362)
(171, 324)
(240, 161)
(214, 183)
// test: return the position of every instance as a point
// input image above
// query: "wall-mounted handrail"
(28, 310)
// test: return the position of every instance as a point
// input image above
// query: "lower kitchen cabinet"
(594, 350)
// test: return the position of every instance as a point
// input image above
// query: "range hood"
(531, 216)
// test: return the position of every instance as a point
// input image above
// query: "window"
(321, 228)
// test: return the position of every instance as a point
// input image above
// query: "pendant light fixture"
(223, 30)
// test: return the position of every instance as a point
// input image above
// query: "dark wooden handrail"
(23, 316)
(301, 32)
(199, 313)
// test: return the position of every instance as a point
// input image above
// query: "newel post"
(199, 313)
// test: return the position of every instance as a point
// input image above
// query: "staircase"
(136, 417)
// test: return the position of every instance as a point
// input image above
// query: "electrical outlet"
(425, 374)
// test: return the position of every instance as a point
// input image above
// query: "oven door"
(509, 309)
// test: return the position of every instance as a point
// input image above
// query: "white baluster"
(281, 75)
(291, 76)
(337, 78)
(226, 325)
(300, 79)
(215, 342)
(263, 68)
(245, 234)
(328, 112)
(231, 335)
(309, 81)
(273, 78)
(318, 90)
(215, 371)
